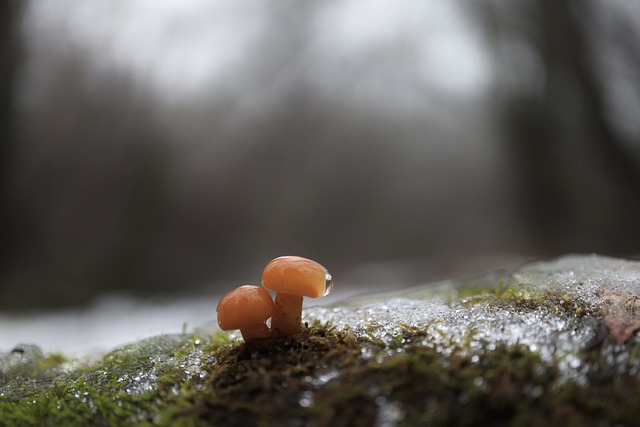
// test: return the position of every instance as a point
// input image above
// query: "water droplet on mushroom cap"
(328, 285)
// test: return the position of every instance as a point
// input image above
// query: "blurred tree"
(89, 186)
(341, 157)
(10, 46)
(579, 177)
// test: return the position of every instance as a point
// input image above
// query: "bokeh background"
(164, 148)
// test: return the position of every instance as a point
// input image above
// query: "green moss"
(329, 377)
(52, 361)
(523, 297)
(94, 394)
(326, 377)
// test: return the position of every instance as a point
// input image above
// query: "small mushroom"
(292, 278)
(246, 308)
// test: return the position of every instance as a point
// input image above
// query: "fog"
(168, 149)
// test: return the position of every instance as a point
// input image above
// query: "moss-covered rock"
(552, 344)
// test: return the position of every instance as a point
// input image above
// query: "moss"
(524, 297)
(94, 394)
(52, 361)
(527, 297)
(324, 376)
(327, 377)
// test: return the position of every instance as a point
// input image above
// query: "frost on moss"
(531, 348)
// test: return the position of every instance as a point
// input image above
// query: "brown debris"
(621, 312)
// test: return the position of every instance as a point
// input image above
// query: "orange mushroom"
(246, 308)
(293, 278)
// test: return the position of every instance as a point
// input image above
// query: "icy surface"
(479, 324)
(541, 306)
(22, 358)
(581, 277)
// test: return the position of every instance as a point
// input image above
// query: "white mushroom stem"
(259, 330)
(287, 318)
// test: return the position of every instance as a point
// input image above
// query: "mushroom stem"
(287, 317)
(259, 330)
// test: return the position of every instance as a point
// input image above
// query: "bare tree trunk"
(9, 58)
(579, 183)
(610, 176)
(566, 47)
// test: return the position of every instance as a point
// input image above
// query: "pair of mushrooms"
(249, 307)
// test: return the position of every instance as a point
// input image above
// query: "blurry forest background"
(166, 147)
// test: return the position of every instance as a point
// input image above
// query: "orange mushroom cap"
(244, 306)
(295, 275)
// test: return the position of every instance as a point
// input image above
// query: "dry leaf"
(621, 313)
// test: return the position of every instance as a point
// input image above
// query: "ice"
(581, 277)
(22, 358)
(556, 331)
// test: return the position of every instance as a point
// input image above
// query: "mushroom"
(246, 308)
(292, 278)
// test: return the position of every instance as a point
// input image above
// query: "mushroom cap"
(244, 306)
(295, 275)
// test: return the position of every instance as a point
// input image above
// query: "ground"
(553, 343)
